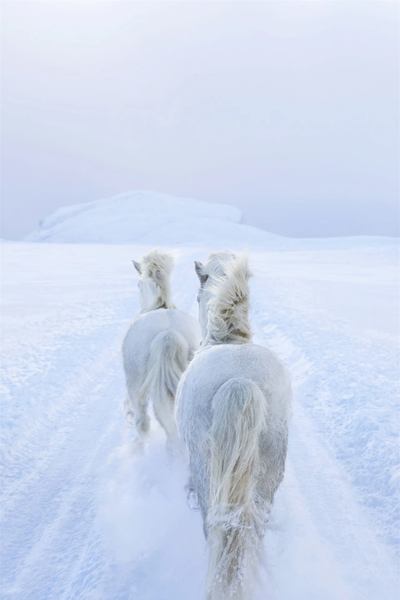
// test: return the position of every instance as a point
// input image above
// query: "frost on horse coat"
(233, 405)
(157, 348)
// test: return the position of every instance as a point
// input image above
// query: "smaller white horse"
(158, 347)
(233, 405)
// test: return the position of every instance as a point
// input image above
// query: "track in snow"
(83, 518)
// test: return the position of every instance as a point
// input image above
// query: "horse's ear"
(137, 267)
(201, 272)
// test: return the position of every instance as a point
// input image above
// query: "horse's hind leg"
(135, 407)
(164, 412)
(191, 495)
(272, 467)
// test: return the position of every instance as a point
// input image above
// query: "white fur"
(208, 274)
(157, 348)
(228, 307)
(155, 269)
(233, 405)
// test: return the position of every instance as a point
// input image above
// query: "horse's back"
(219, 363)
(215, 365)
(155, 321)
(147, 326)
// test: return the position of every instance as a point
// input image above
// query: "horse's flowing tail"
(169, 357)
(234, 523)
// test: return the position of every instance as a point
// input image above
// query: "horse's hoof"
(130, 420)
(192, 500)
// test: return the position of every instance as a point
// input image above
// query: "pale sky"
(287, 110)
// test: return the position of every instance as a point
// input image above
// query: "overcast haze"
(289, 111)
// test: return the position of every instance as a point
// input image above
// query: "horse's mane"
(228, 317)
(158, 267)
(215, 265)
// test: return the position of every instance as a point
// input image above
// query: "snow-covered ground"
(84, 518)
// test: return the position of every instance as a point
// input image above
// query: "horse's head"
(208, 274)
(154, 289)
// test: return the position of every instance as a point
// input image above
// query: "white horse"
(233, 405)
(158, 347)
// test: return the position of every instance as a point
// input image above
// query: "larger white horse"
(158, 347)
(233, 405)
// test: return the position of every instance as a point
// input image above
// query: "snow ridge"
(133, 216)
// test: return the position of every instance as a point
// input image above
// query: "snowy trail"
(328, 528)
(57, 469)
(83, 518)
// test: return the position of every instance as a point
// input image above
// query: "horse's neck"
(228, 309)
(225, 327)
(162, 300)
(218, 339)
